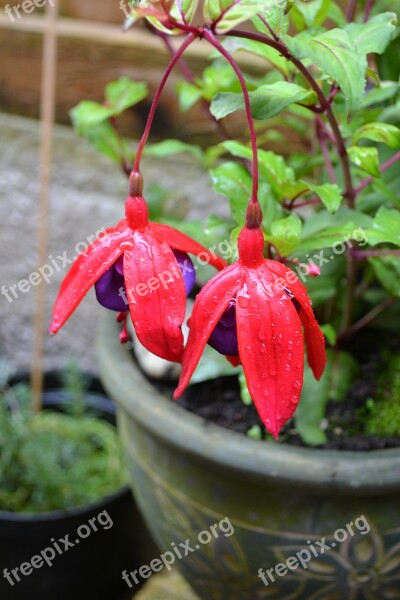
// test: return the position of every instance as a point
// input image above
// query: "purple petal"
(187, 268)
(110, 287)
(224, 337)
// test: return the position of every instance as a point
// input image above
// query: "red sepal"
(270, 347)
(208, 308)
(156, 295)
(180, 241)
(86, 270)
(315, 343)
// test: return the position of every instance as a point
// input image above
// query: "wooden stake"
(47, 115)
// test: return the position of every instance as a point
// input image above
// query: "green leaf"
(339, 374)
(336, 55)
(330, 194)
(387, 270)
(285, 234)
(124, 93)
(312, 406)
(227, 14)
(366, 158)
(189, 94)
(234, 182)
(384, 92)
(266, 102)
(184, 10)
(260, 49)
(212, 365)
(310, 14)
(88, 114)
(379, 132)
(329, 237)
(171, 147)
(244, 390)
(275, 13)
(329, 333)
(374, 35)
(273, 167)
(385, 227)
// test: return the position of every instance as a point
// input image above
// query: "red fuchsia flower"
(270, 305)
(153, 277)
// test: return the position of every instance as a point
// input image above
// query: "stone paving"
(87, 193)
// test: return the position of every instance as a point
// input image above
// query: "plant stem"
(156, 99)
(209, 36)
(351, 10)
(386, 165)
(188, 75)
(368, 8)
(325, 104)
(366, 319)
(362, 254)
(321, 135)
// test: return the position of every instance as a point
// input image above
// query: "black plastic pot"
(92, 568)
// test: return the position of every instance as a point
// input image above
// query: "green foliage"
(384, 416)
(51, 461)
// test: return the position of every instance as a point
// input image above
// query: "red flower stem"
(351, 10)
(175, 59)
(321, 135)
(188, 75)
(341, 146)
(366, 319)
(209, 36)
(368, 8)
(386, 165)
(362, 254)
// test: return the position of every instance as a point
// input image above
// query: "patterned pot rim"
(345, 472)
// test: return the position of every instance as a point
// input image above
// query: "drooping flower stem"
(254, 215)
(175, 59)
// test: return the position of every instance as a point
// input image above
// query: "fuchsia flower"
(151, 268)
(271, 306)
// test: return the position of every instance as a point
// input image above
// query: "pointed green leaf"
(387, 270)
(379, 132)
(227, 14)
(385, 227)
(336, 55)
(266, 102)
(171, 147)
(366, 158)
(189, 94)
(124, 93)
(310, 14)
(374, 35)
(285, 234)
(330, 194)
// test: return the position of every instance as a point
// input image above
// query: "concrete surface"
(87, 194)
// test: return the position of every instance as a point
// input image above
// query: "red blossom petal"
(156, 295)
(234, 360)
(180, 241)
(208, 308)
(316, 354)
(270, 347)
(86, 270)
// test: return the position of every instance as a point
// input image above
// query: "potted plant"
(314, 501)
(63, 483)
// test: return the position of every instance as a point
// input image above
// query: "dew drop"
(288, 367)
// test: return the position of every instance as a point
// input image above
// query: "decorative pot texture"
(92, 570)
(338, 511)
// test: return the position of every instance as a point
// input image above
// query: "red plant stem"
(366, 319)
(368, 8)
(156, 99)
(386, 165)
(188, 75)
(362, 254)
(209, 36)
(341, 146)
(351, 10)
(321, 135)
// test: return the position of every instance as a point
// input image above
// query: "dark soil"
(218, 401)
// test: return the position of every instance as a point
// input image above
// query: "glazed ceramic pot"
(326, 524)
